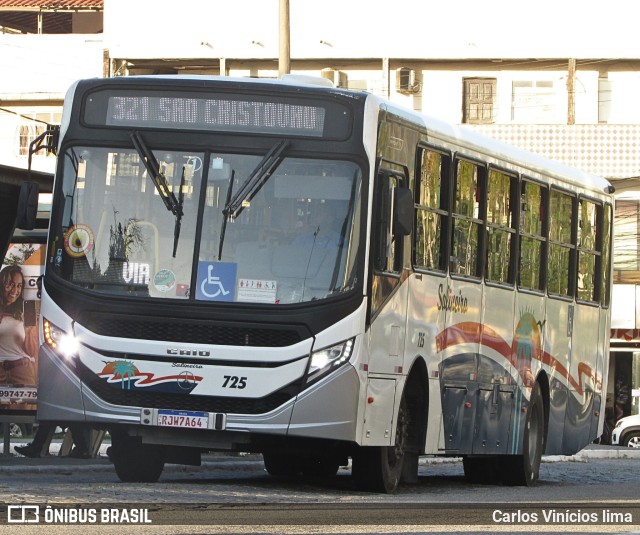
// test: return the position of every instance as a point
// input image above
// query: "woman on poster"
(17, 366)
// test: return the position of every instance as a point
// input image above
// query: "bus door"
(392, 221)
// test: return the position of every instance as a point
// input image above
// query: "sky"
(420, 28)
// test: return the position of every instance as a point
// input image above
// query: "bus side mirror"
(403, 214)
(27, 206)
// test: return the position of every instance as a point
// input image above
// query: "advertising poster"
(19, 313)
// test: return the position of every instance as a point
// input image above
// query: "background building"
(561, 79)
(44, 47)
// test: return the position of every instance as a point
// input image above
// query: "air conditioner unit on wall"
(339, 78)
(406, 81)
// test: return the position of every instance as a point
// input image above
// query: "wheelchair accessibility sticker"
(216, 281)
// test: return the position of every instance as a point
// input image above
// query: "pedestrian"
(39, 447)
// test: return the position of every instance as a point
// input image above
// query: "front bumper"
(326, 409)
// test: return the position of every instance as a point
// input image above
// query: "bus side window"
(588, 255)
(500, 227)
(467, 225)
(532, 237)
(561, 247)
(431, 210)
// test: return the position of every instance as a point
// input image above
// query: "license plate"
(183, 419)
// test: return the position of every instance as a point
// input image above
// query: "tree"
(24, 251)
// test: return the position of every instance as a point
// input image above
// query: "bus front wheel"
(135, 462)
(320, 467)
(278, 464)
(379, 468)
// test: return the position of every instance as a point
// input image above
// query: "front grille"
(192, 331)
(160, 400)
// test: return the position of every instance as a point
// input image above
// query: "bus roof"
(466, 138)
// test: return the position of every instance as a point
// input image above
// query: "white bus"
(317, 275)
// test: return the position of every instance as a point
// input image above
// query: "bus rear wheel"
(312, 466)
(135, 462)
(379, 468)
(481, 470)
(524, 469)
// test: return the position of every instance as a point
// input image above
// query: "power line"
(24, 116)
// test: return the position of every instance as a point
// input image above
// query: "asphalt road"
(235, 495)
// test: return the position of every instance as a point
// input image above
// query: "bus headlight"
(64, 344)
(328, 359)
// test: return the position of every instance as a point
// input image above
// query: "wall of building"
(87, 23)
(19, 126)
(47, 64)
(37, 71)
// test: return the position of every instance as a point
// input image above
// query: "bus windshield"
(293, 237)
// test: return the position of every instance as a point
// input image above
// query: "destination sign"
(219, 114)
(248, 113)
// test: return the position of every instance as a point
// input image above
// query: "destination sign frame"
(247, 113)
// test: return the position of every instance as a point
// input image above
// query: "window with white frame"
(31, 126)
(533, 102)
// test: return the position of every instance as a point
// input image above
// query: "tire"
(524, 470)
(135, 462)
(632, 440)
(319, 467)
(287, 465)
(379, 468)
(481, 470)
(280, 465)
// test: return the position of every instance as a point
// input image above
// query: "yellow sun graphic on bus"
(527, 345)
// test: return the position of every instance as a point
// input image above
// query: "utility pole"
(284, 59)
(571, 92)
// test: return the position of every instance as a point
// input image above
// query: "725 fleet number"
(233, 381)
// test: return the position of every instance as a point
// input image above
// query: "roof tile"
(17, 5)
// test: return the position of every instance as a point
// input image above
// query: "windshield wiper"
(157, 177)
(258, 178)
(178, 223)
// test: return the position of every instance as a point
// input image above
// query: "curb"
(611, 452)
